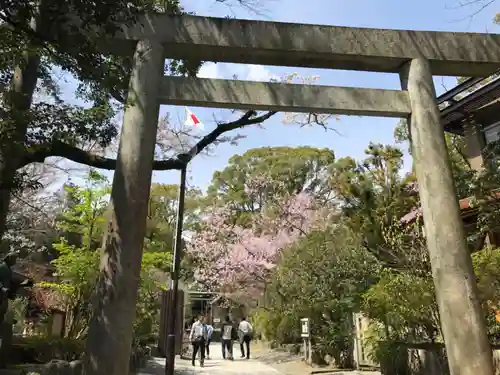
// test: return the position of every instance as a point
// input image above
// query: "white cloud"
(209, 70)
(259, 73)
(229, 71)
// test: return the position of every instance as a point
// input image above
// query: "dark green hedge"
(43, 349)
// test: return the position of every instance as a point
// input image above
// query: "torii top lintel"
(314, 46)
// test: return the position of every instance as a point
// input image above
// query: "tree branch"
(57, 148)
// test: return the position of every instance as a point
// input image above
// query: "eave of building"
(481, 105)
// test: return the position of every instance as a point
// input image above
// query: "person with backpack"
(245, 330)
(198, 337)
(210, 330)
(228, 335)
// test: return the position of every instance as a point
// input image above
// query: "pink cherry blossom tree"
(237, 260)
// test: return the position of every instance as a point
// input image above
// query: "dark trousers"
(199, 345)
(227, 345)
(207, 346)
(4, 306)
(246, 341)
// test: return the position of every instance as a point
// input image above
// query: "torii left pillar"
(111, 327)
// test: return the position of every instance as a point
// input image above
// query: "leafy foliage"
(264, 175)
(406, 305)
(77, 259)
(487, 269)
(154, 264)
(375, 196)
(40, 349)
(320, 277)
(162, 215)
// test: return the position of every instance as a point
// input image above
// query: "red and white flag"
(192, 120)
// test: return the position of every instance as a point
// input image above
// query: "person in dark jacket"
(6, 276)
(228, 336)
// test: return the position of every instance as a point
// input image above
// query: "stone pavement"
(216, 366)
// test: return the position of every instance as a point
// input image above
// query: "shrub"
(39, 349)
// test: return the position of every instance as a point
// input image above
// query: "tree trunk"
(113, 311)
(17, 103)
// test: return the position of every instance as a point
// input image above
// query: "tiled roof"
(465, 207)
(46, 298)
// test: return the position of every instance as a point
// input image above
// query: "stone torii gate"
(415, 55)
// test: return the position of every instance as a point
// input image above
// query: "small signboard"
(216, 320)
(305, 331)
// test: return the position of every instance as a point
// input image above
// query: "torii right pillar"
(462, 321)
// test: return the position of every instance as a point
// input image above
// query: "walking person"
(210, 330)
(228, 335)
(245, 330)
(198, 336)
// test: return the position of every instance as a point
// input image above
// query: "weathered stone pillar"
(110, 332)
(462, 321)
(475, 141)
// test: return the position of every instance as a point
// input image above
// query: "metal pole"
(174, 286)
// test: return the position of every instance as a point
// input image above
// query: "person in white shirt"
(245, 330)
(198, 337)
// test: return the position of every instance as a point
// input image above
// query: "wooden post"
(309, 351)
(462, 321)
(474, 138)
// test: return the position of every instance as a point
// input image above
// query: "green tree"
(264, 175)
(77, 257)
(463, 174)
(406, 306)
(322, 277)
(76, 262)
(76, 268)
(82, 220)
(402, 305)
(40, 40)
(375, 195)
(487, 269)
(154, 268)
(162, 215)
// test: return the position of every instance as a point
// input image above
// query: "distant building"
(471, 110)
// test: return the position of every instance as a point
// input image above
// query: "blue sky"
(355, 132)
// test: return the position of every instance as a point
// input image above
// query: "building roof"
(465, 205)
(476, 98)
(467, 209)
(46, 299)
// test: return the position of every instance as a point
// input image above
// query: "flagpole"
(174, 285)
